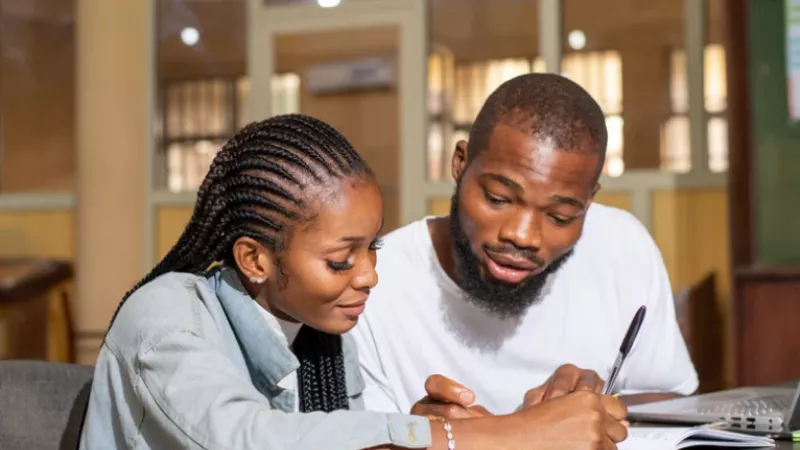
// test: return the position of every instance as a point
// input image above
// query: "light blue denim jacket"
(190, 363)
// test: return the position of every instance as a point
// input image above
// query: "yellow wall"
(691, 229)
(617, 199)
(170, 222)
(49, 234)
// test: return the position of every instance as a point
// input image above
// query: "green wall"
(776, 140)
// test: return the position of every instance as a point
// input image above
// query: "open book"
(674, 438)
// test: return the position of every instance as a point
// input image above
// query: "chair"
(702, 328)
(42, 404)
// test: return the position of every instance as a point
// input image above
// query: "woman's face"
(328, 265)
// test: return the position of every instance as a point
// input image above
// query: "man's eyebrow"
(505, 181)
(567, 201)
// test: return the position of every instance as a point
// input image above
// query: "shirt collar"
(268, 358)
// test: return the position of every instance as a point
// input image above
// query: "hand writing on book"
(448, 398)
(566, 379)
(579, 420)
(576, 420)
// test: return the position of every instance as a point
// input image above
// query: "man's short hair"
(549, 106)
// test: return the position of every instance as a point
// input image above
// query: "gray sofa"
(42, 404)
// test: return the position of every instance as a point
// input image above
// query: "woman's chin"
(337, 325)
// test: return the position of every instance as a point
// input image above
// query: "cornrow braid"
(254, 188)
(318, 376)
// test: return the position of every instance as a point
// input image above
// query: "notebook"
(674, 438)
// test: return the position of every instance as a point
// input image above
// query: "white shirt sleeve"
(659, 361)
(378, 395)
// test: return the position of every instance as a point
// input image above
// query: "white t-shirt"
(417, 322)
(288, 332)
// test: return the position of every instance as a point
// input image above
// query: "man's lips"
(509, 270)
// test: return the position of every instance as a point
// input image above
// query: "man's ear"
(459, 162)
(254, 261)
(595, 190)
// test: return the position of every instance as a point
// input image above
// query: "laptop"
(769, 411)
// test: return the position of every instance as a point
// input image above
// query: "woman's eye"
(376, 244)
(340, 266)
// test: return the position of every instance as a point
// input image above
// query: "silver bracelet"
(451, 443)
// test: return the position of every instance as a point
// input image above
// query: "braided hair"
(254, 188)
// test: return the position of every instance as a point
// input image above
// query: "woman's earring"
(257, 280)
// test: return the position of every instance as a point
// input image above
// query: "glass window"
(616, 51)
(202, 89)
(676, 153)
(475, 46)
(676, 140)
(201, 115)
(37, 96)
(203, 86)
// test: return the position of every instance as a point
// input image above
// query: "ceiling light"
(190, 36)
(576, 39)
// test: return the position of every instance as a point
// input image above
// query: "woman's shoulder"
(173, 302)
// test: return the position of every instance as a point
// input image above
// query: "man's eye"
(561, 221)
(495, 200)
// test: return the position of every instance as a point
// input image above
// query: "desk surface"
(24, 279)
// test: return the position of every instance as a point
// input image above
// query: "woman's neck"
(259, 293)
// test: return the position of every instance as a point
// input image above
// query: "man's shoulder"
(615, 221)
(614, 228)
(404, 246)
(618, 237)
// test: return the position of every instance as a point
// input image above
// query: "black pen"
(625, 348)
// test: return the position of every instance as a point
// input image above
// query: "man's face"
(517, 213)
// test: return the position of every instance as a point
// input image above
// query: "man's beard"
(500, 299)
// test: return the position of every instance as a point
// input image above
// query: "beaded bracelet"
(451, 443)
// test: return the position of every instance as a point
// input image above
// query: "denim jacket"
(190, 363)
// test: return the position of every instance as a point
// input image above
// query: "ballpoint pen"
(625, 348)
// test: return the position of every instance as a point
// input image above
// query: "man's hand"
(564, 380)
(447, 399)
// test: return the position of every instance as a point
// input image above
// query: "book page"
(671, 438)
(653, 438)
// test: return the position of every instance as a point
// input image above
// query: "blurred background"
(111, 111)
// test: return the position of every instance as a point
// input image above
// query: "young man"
(524, 276)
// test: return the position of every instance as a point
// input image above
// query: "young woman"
(234, 340)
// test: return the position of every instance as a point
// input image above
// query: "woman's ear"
(253, 260)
